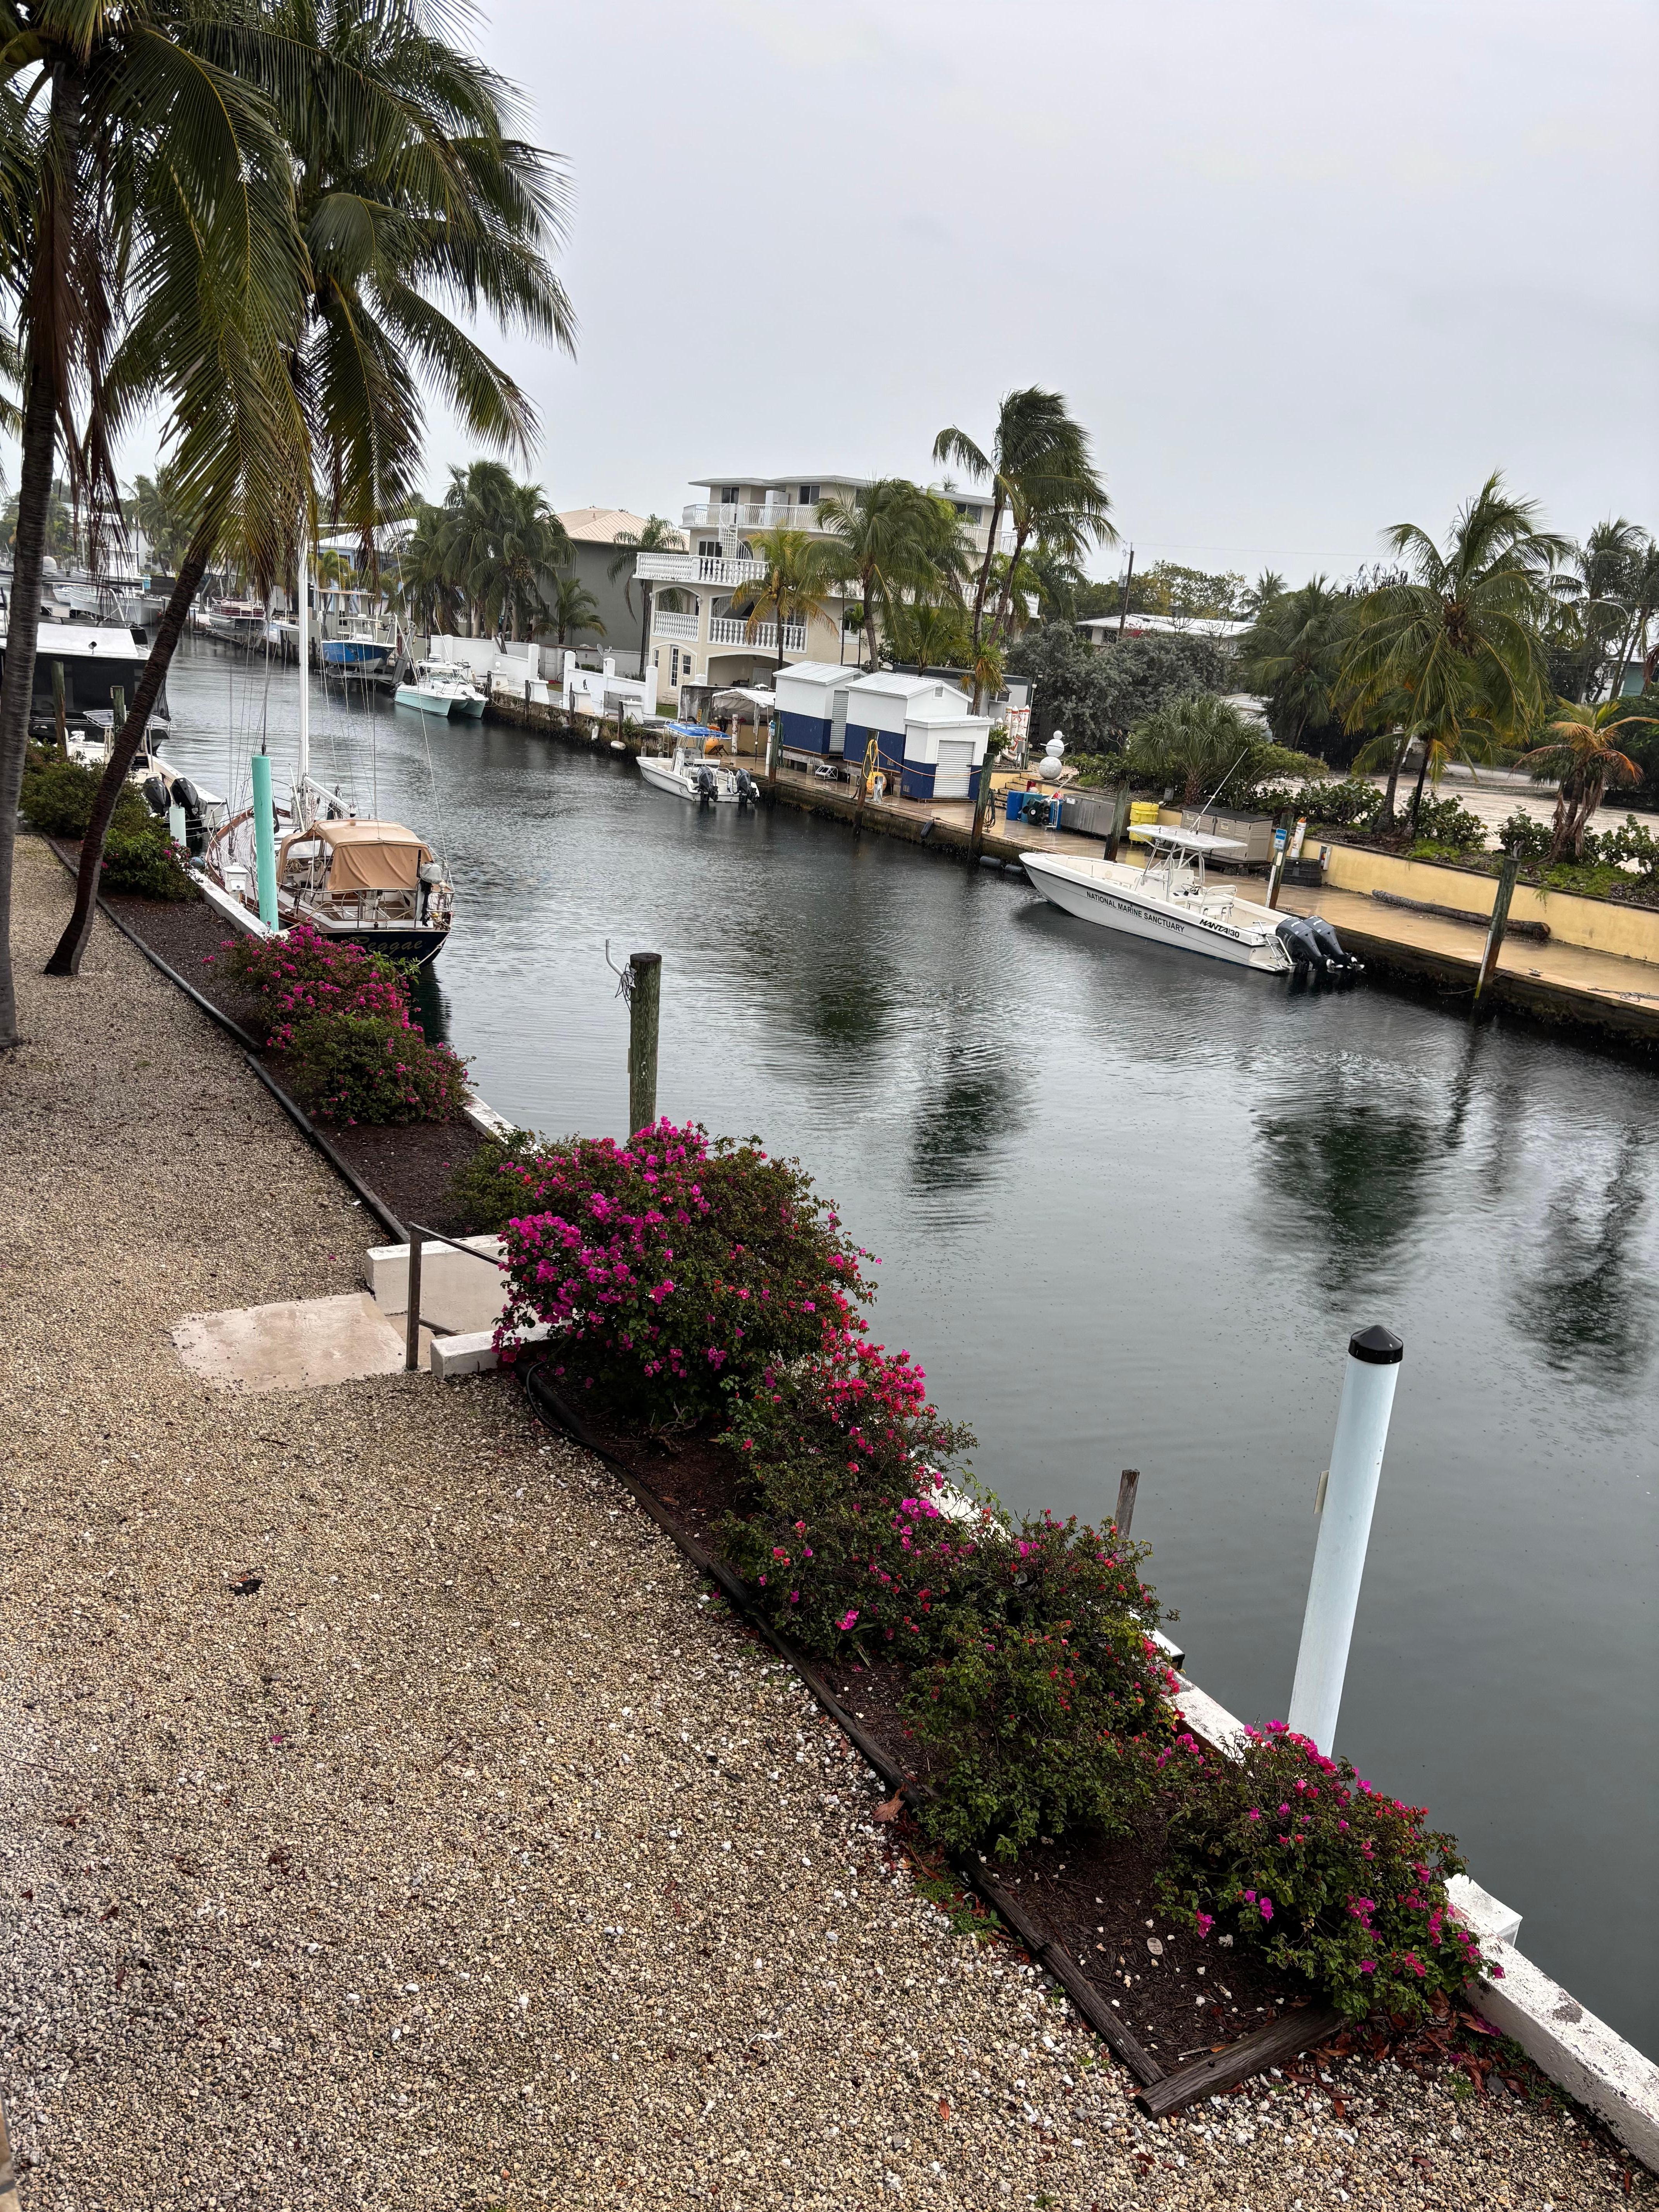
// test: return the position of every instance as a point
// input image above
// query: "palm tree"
(932, 633)
(1056, 577)
(1458, 635)
(1292, 652)
(532, 542)
(1595, 580)
(426, 589)
(145, 198)
(1585, 760)
(794, 584)
(423, 209)
(1200, 742)
(416, 195)
(574, 609)
(889, 537)
(159, 512)
(1041, 471)
(655, 535)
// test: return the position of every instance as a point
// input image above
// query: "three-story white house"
(700, 640)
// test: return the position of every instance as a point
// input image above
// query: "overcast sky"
(1304, 267)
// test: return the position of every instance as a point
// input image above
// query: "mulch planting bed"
(409, 1166)
(1180, 1997)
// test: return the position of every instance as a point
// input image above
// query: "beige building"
(698, 640)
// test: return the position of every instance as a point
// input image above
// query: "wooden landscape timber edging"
(1297, 2030)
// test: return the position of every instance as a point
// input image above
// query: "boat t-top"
(441, 687)
(1170, 902)
(373, 884)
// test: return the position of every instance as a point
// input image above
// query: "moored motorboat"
(441, 687)
(1169, 901)
(709, 780)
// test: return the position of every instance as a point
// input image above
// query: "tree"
(1169, 588)
(1202, 744)
(655, 535)
(888, 537)
(1042, 475)
(1292, 654)
(425, 587)
(160, 512)
(931, 633)
(1458, 635)
(1582, 755)
(499, 540)
(423, 209)
(148, 241)
(400, 161)
(1095, 695)
(573, 609)
(1600, 581)
(1055, 580)
(797, 578)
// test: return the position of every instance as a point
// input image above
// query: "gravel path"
(475, 1858)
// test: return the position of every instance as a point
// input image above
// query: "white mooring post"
(1347, 1495)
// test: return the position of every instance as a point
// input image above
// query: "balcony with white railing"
(694, 568)
(667, 622)
(725, 629)
(750, 515)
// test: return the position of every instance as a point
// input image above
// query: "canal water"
(1129, 1205)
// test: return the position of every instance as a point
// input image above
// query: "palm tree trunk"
(1385, 819)
(66, 956)
(1004, 600)
(1417, 790)
(39, 438)
(983, 585)
(1587, 807)
(869, 616)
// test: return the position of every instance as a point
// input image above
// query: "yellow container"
(1143, 810)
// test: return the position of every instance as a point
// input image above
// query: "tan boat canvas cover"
(367, 856)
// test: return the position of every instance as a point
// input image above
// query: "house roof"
(602, 525)
(1134, 625)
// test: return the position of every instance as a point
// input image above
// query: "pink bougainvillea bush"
(674, 1267)
(1295, 1856)
(1032, 1681)
(340, 1016)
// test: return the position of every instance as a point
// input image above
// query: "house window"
(673, 666)
(709, 549)
(729, 494)
(810, 494)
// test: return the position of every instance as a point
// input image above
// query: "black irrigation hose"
(295, 1112)
(1047, 1954)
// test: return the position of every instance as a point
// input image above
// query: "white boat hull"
(436, 702)
(1108, 893)
(670, 776)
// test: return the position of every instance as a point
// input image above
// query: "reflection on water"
(1130, 1206)
(1588, 1306)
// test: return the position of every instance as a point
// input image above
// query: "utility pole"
(1124, 611)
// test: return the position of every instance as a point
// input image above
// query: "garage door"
(956, 762)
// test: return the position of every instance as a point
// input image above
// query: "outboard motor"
(1338, 962)
(748, 790)
(1307, 955)
(183, 792)
(155, 795)
(705, 785)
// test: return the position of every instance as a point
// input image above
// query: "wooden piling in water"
(644, 1009)
(1500, 921)
(1128, 1484)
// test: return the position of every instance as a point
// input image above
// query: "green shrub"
(672, 1265)
(1523, 835)
(59, 796)
(1296, 1857)
(1032, 1679)
(1631, 841)
(145, 863)
(349, 1067)
(1443, 822)
(482, 1193)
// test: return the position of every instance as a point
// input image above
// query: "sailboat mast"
(304, 769)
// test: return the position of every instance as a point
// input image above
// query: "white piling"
(1348, 1494)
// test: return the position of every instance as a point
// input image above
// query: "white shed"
(811, 705)
(943, 746)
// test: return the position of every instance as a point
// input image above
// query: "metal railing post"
(412, 1320)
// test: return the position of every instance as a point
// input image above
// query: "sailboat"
(369, 882)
